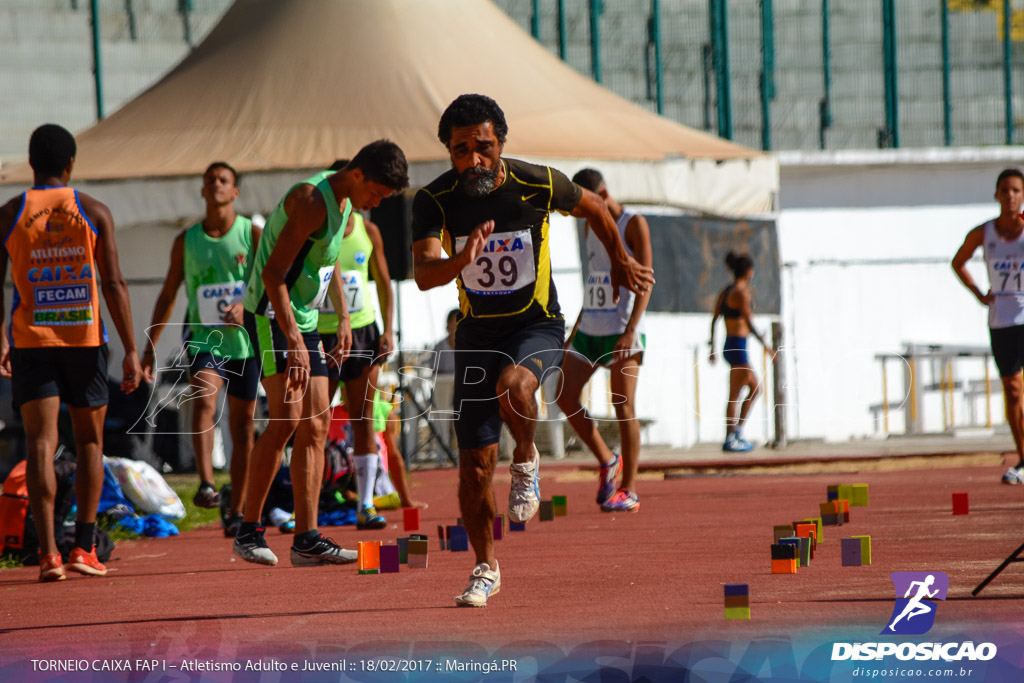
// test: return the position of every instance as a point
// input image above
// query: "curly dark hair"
(471, 110)
(383, 162)
(589, 179)
(225, 165)
(50, 149)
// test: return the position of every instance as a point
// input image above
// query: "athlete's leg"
(359, 393)
(737, 380)
(623, 385)
(240, 421)
(1013, 394)
(753, 384)
(40, 420)
(307, 464)
(476, 499)
(576, 371)
(205, 386)
(268, 449)
(87, 425)
(517, 393)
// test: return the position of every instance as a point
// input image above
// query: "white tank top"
(1005, 262)
(601, 315)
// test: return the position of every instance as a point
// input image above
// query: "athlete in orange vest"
(60, 242)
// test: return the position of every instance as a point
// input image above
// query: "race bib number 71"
(505, 265)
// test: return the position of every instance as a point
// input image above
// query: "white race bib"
(598, 294)
(351, 289)
(505, 265)
(213, 301)
(325, 274)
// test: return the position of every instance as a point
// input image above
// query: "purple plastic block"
(389, 559)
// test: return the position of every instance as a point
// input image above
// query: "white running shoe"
(483, 583)
(1014, 475)
(524, 496)
(253, 548)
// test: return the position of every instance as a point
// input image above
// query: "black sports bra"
(725, 310)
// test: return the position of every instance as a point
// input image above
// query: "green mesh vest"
(308, 278)
(214, 279)
(354, 264)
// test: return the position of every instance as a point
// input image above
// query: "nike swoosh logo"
(526, 197)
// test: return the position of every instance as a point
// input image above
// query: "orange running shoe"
(86, 563)
(50, 568)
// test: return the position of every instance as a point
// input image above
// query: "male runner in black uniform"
(490, 216)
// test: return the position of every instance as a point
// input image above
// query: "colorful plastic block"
(784, 566)
(560, 505)
(458, 541)
(516, 526)
(411, 518)
(499, 527)
(736, 589)
(737, 601)
(369, 557)
(960, 506)
(547, 511)
(389, 559)
(865, 549)
(737, 613)
(851, 552)
(860, 495)
(403, 550)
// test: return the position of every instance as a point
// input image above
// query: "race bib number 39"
(598, 292)
(214, 300)
(505, 265)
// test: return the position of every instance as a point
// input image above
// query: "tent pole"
(97, 59)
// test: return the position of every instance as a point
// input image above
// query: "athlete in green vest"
(211, 259)
(293, 272)
(361, 256)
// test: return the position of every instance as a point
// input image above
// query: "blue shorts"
(241, 375)
(735, 352)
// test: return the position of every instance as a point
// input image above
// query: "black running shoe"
(253, 548)
(323, 551)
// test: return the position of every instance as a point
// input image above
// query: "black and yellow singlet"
(510, 284)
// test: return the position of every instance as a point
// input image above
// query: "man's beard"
(477, 181)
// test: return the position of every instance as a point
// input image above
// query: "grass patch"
(9, 563)
(185, 486)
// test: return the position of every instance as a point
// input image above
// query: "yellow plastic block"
(860, 495)
(737, 613)
(865, 549)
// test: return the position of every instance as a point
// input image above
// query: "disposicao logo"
(914, 612)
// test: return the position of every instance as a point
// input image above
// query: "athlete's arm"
(714, 319)
(638, 239)
(971, 243)
(747, 312)
(306, 212)
(8, 213)
(164, 304)
(115, 289)
(626, 271)
(431, 270)
(381, 276)
(235, 313)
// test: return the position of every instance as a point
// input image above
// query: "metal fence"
(803, 74)
(75, 61)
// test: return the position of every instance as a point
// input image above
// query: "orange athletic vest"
(52, 250)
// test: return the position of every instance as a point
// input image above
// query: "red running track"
(655, 575)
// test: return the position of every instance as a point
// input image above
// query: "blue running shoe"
(606, 479)
(622, 501)
(367, 518)
(737, 445)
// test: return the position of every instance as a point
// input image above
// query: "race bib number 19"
(505, 265)
(598, 293)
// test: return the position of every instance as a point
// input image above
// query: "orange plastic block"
(783, 566)
(369, 557)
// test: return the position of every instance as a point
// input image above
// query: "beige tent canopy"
(289, 85)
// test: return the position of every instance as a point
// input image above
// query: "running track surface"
(655, 575)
